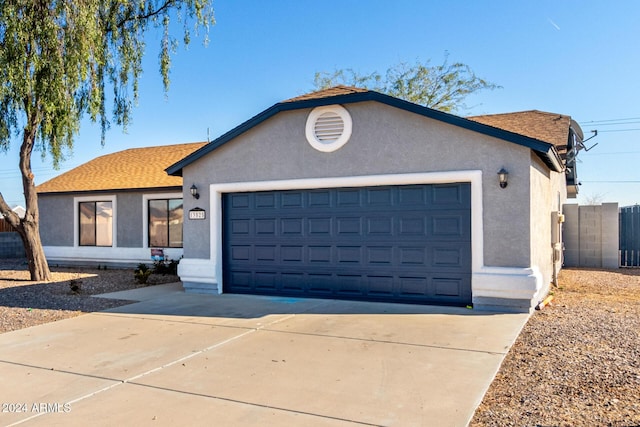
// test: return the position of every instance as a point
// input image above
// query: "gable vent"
(328, 128)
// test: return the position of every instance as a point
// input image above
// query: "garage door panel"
(242, 280)
(348, 198)
(241, 253)
(265, 200)
(449, 257)
(292, 199)
(292, 254)
(349, 226)
(319, 254)
(450, 226)
(349, 285)
(379, 286)
(412, 286)
(406, 243)
(265, 280)
(412, 255)
(447, 287)
(379, 196)
(292, 283)
(412, 196)
(319, 199)
(321, 284)
(239, 201)
(240, 226)
(292, 226)
(379, 226)
(319, 226)
(265, 226)
(265, 253)
(351, 255)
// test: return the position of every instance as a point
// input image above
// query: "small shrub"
(169, 266)
(75, 285)
(142, 273)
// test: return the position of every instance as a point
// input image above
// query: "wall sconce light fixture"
(502, 177)
(194, 191)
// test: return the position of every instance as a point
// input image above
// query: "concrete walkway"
(231, 360)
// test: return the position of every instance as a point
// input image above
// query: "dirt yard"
(576, 362)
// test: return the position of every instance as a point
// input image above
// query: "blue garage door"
(388, 243)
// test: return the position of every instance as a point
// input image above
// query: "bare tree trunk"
(28, 227)
(36, 259)
(29, 232)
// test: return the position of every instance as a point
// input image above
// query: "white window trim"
(76, 218)
(145, 214)
(328, 147)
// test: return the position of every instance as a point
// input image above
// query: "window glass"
(158, 223)
(104, 224)
(87, 224)
(175, 223)
(165, 223)
(96, 223)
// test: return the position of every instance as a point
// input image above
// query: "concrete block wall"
(591, 236)
(610, 235)
(11, 245)
(571, 235)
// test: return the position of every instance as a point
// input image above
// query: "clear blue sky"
(579, 58)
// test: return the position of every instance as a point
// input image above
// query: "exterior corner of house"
(507, 289)
(198, 276)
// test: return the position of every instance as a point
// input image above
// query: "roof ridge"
(513, 113)
(328, 92)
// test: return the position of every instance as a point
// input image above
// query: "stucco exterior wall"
(385, 140)
(130, 227)
(56, 219)
(548, 194)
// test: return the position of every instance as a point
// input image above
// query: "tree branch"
(9, 215)
(129, 17)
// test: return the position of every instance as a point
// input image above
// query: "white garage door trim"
(216, 191)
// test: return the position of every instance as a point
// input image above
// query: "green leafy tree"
(58, 61)
(442, 87)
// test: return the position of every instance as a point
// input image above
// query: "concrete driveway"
(231, 360)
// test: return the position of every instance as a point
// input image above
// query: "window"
(96, 223)
(165, 223)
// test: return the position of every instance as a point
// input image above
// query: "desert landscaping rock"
(577, 361)
(24, 303)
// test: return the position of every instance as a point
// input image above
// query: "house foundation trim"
(198, 276)
(506, 288)
(104, 255)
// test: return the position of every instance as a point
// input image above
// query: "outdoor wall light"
(194, 191)
(502, 177)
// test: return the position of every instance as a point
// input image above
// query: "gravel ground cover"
(25, 303)
(576, 362)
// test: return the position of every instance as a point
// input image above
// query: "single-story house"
(113, 209)
(341, 193)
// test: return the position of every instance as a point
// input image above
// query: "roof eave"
(171, 188)
(543, 149)
(552, 159)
